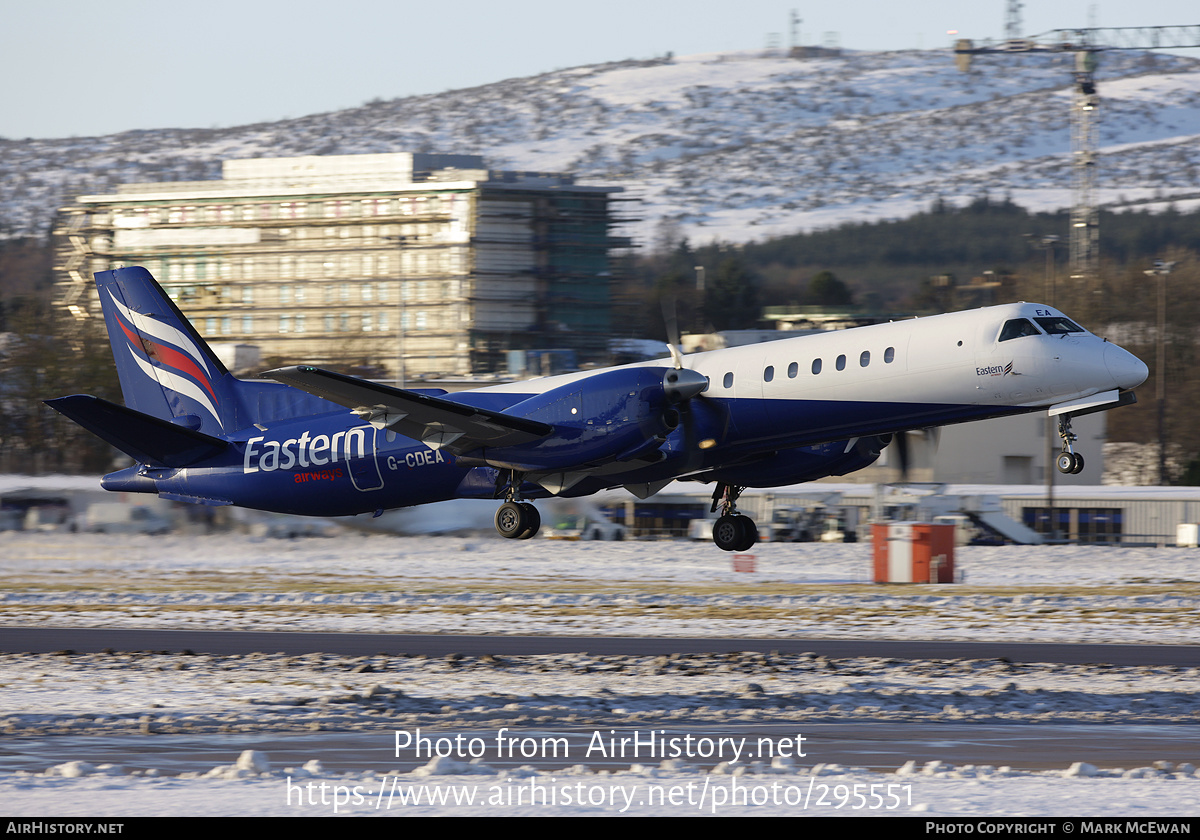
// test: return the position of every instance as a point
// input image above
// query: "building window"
(285, 323)
(1084, 525)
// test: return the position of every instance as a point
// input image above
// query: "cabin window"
(728, 381)
(793, 369)
(769, 373)
(1018, 328)
(864, 359)
(816, 368)
(841, 362)
(889, 355)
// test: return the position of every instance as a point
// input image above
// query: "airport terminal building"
(396, 265)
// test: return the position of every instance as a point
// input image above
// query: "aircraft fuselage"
(777, 410)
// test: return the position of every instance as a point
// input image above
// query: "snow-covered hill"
(735, 146)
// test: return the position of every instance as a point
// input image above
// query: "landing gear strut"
(1069, 461)
(516, 519)
(732, 531)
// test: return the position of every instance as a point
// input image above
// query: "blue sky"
(73, 67)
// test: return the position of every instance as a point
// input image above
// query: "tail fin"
(166, 369)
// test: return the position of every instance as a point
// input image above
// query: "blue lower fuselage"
(335, 465)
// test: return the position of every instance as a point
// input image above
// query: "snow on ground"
(640, 791)
(486, 585)
(357, 583)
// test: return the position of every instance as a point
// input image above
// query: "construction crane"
(1085, 44)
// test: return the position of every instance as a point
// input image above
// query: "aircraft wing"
(438, 423)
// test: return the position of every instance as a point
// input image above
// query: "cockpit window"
(1059, 325)
(1018, 328)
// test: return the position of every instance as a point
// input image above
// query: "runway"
(875, 746)
(226, 642)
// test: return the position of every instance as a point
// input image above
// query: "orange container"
(913, 552)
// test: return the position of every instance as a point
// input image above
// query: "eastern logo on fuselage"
(996, 370)
(308, 450)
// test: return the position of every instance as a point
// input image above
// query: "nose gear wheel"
(1069, 462)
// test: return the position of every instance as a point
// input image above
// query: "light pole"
(1047, 243)
(401, 373)
(1162, 270)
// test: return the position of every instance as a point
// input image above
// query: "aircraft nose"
(1126, 369)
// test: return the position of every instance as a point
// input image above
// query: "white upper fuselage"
(960, 359)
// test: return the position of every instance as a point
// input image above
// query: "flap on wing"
(436, 422)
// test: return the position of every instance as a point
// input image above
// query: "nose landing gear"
(1069, 462)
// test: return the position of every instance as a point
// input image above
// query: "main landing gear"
(1069, 461)
(516, 519)
(732, 531)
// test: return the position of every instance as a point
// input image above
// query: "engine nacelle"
(615, 415)
(807, 463)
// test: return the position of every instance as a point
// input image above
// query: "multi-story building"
(400, 265)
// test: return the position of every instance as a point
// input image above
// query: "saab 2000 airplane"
(322, 443)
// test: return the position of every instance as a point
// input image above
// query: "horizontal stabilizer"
(438, 423)
(148, 440)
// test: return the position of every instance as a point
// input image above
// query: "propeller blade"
(671, 320)
(902, 454)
